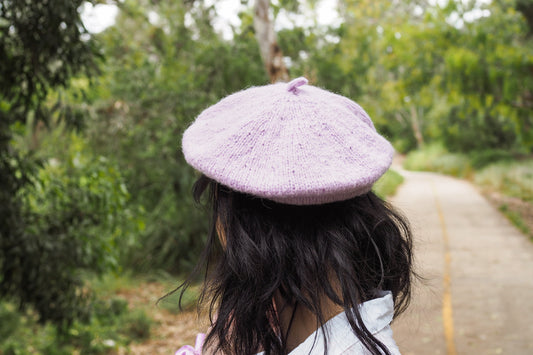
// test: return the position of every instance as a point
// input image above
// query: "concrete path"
(478, 294)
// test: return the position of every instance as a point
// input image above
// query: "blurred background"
(96, 218)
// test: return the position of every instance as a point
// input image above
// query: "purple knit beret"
(291, 143)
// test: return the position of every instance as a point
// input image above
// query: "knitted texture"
(291, 143)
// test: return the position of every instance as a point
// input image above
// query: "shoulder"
(341, 340)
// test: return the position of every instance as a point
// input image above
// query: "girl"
(311, 260)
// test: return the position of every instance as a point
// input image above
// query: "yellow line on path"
(447, 314)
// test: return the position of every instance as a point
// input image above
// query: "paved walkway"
(478, 294)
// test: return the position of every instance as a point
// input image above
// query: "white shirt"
(376, 314)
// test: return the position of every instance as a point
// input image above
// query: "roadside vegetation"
(110, 326)
(127, 316)
(387, 185)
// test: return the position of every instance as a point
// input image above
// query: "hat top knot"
(294, 84)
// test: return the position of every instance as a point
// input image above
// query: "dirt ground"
(170, 330)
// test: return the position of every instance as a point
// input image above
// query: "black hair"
(361, 243)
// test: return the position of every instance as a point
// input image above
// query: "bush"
(111, 326)
(388, 184)
(419, 160)
(452, 164)
(108, 330)
(435, 158)
(20, 334)
(76, 219)
(470, 126)
(511, 178)
(480, 159)
(137, 325)
(9, 320)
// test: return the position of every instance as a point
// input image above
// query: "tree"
(459, 73)
(43, 44)
(159, 76)
(489, 76)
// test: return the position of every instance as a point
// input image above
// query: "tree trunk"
(415, 125)
(266, 38)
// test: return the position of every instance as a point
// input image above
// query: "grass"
(188, 301)
(436, 158)
(517, 220)
(111, 327)
(109, 284)
(511, 178)
(388, 184)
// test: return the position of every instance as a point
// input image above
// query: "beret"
(292, 143)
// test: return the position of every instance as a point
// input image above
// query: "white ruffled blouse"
(376, 314)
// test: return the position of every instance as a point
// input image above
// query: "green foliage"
(42, 46)
(19, 332)
(469, 128)
(516, 220)
(110, 329)
(109, 284)
(9, 320)
(159, 76)
(387, 185)
(436, 158)
(82, 198)
(137, 325)
(76, 218)
(487, 73)
(427, 73)
(480, 159)
(513, 178)
(189, 300)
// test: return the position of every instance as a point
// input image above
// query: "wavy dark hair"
(361, 243)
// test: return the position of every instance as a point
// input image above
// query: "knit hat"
(291, 143)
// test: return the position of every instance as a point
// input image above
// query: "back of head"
(304, 225)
